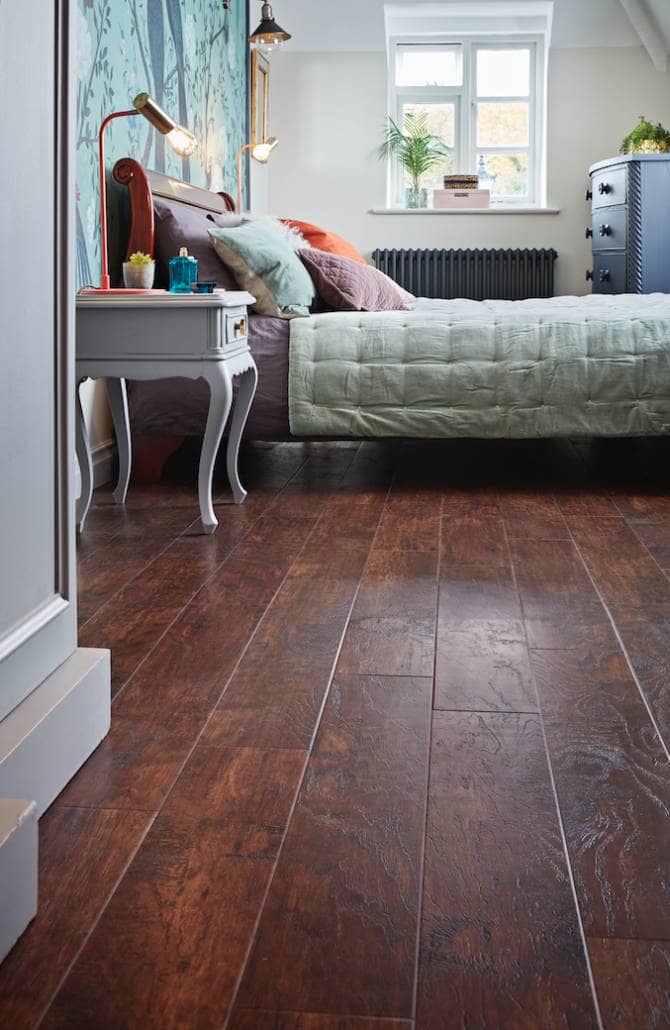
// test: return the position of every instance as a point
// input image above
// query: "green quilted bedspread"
(568, 366)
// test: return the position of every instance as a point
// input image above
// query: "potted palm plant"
(418, 150)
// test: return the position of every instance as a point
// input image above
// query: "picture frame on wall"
(260, 81)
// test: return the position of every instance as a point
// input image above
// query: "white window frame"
(466, 100)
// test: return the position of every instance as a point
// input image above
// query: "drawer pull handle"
(589, 275)
(588, 233)
(604, 276)
(589, 194)
(605, 230)
(241, 327)
(604, 187)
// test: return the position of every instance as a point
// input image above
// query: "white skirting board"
(43, 742)
(103, 457)
(18, 869)
(45, 739)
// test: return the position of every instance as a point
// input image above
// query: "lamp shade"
(268, 31)
(179, 138)
(261, 151)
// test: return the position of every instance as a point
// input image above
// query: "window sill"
(496, 210)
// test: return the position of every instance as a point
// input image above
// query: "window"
(484, 100)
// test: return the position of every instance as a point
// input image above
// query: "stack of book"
(461, 182)
(462, 191)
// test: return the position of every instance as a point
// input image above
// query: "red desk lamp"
(179, 138)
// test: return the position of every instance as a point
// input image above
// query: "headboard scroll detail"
(143, 185)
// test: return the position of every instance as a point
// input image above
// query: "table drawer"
(609, 187)
(609, 273)
(609, 228)
(236, 326)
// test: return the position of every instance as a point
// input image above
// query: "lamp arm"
(240, 155)
(104, 263)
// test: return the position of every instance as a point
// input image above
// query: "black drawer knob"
(588, 233)
(605, 230)
(604, 276)
(604, 187)
(589, 275)
(589, 194)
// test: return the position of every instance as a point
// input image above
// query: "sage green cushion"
(264, 263)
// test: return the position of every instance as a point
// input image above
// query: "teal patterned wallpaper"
(191, 56)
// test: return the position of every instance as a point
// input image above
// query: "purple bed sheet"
(178, 407)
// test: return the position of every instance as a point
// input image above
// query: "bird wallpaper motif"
(191, 56)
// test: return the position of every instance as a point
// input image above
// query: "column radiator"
(472, 274)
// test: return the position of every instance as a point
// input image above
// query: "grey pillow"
(179, 226)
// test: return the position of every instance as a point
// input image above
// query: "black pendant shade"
(268, 31)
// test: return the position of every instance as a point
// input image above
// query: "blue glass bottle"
(183, 272)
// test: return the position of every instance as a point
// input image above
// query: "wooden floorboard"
(632, 979)
(498, 910)
(338, 932)
(170, 943)
(386, 749)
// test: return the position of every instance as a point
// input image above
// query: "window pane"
(510, 171)
(440, 120)
(503, 73)
(502, 125)
(418, 65)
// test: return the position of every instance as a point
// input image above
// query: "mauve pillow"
(347, 285)
(179, 226)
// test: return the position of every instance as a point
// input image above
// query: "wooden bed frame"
(150, 453)
(143, 185)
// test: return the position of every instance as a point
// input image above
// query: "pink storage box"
(461, 198)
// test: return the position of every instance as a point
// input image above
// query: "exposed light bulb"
(182, 141)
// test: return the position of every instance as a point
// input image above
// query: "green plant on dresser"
(646, 139)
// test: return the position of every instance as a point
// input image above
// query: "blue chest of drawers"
(630, 224)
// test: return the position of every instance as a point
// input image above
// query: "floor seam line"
(254, 933)
(559, 814)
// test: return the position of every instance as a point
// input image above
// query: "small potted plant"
(138, 271)
(418, 150)
(646, 139)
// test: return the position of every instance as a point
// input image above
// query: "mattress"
(178, 407)
(566, 366)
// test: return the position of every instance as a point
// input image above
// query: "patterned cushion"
(346, 285)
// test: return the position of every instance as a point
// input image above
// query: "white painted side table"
(123, 337)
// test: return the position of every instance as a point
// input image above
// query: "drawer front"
(609, 228)
(609, 273)
(228, 330)
(609, 187)
(236, 326)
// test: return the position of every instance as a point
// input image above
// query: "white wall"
(328, 110)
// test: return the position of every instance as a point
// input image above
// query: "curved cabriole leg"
(221, 396)
(245, 395)
(118, 403)
(85, 464)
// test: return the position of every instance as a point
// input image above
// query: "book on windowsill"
(461, 181)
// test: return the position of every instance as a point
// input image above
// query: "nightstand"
(158, 336)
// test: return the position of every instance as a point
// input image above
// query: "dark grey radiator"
(473, 274)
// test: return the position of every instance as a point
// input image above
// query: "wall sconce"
(260, 152)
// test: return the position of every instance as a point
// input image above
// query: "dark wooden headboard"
(143, 185)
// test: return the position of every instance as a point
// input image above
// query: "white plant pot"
(138, 277)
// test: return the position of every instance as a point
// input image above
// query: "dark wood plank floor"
(389, 750)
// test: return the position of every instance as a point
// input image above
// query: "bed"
(567, 366)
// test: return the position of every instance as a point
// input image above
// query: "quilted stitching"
(566, 366)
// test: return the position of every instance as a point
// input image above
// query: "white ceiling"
(323, 25)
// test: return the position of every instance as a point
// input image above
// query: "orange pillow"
(322, 239)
